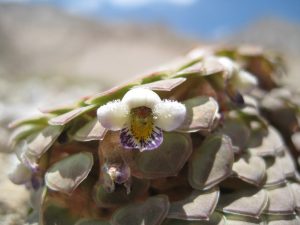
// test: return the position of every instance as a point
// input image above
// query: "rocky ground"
(46, 55)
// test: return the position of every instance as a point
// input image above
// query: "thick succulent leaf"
(205, 67)
(287, 164)
(120, 196)
(276, 108)
(281, 201)
(112, 94)
(246, 221)
(246, 202)
(67, 117)
(178, 64)
(215, 219)
(22, 133)
(275, 172)
(36, 145)
(270, 145)
(164, 85)
(250, 169)
(93, 130)
(151, 212)
(20, 175)
(296, 140)
(54, 214)
(38, 120)
(201, 113)
(166, 160)
(152, 76)
(211, 162)
(282, 220)
(92, 222)
(242, 220)
(67, 174)
(295, 188)
(198, 206)
(238, 131)
(56, 110)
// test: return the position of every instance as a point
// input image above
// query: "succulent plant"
(210, 139)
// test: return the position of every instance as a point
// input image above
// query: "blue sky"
(198, 18)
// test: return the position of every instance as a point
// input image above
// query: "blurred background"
(54, 51)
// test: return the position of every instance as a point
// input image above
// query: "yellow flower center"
(141, 123)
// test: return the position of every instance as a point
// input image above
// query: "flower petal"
(113, 115)
(138, 97)
(169, 115)
(151, 142)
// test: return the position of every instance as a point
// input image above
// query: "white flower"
(141, 116)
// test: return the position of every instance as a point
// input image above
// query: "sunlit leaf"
(282, 220)
(287, 164)
(211, 162)
(37, 120)
(246, 202)
(271, 144)
(67, 117)
(201, 113)
(93, 130)
(67, 174)
(198, 206)
(166, 160)
(112, 94)
(151, 212)
(250, 169)
(203, 68)
(20, 175)
(281, 201)
(275, 172)
(295, 188)
(164, 85)
(215, 219)
(242, 220)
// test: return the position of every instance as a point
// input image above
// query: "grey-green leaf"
(215, 219)
(211, 162)
(107, 199)
(67, 174)
(198, 206)
(93, 130)
(238, 131)
(201, 113)
(151, 212)
(245, 202)
(282, 220)
(250, 169)
(295, 188)
(166, 160)
(92, 222)
(242, 220)
(270, 145)
(275, 172)
(67, 117)
(281, 201)
(164, 85)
